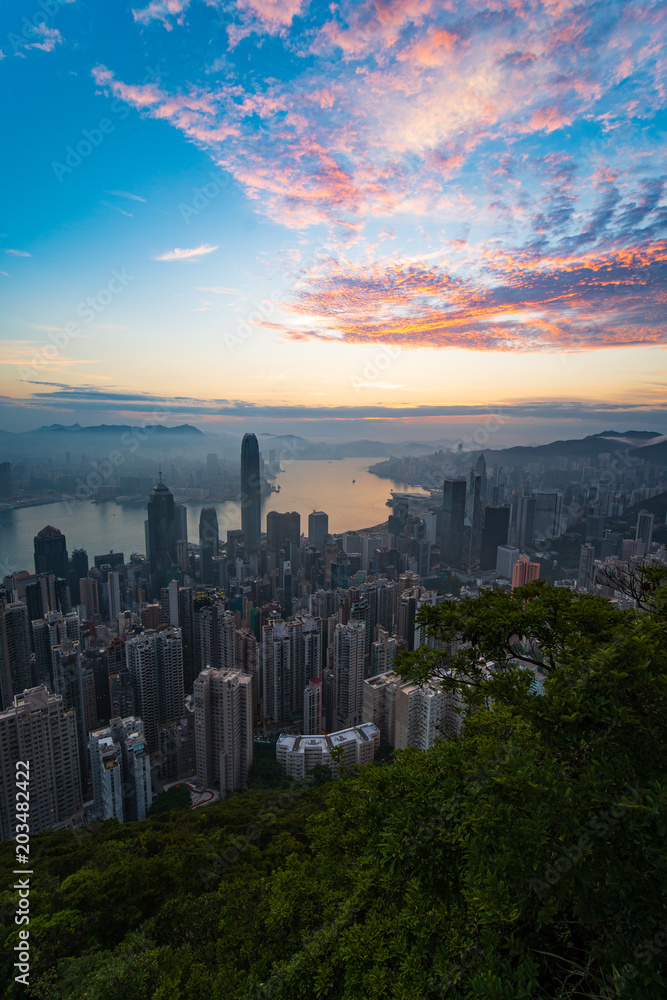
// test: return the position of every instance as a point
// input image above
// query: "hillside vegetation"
(525, 859)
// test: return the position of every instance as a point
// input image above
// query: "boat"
(354, 480)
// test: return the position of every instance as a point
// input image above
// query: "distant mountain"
(180, 429)
(656, 453)
(588, 447)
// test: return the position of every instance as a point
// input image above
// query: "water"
(305, 486)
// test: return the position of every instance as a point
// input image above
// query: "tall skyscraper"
(348, 670)
(318, 529)
(644, 530)
(452, 519)
(494, 533)
(51, 552)
(37, 728)
(106, 771)
(209, 539)
(181, 522)
(585, 573)
(78, 569)
(312, 707)
(223, 728)
(15, 652)
(251, 494)
(161, 535)
(548, 511)
(281, 529)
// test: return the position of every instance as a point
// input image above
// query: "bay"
(305, 486)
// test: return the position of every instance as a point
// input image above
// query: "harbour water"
(305, 486)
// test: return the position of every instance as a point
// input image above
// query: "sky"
(366, 219)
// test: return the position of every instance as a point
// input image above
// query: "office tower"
(51, 630)
(77, 688)
(208, 543)
(223, 729)
(186, 623)
(318, 529)
(524, 530)
(90, 597)
(16, 667)
(585, 573)
(644, 530)
(6, 487)
(78, 568)
(473, 518)
(452, 518)
(298, 755)
(494, 533)
(398, 517)
(106, 773)
(480, 470)
(161, 535)
(181, 522)
(251, 494)
(108, 561)
(348, 669)
(506, 558)
(524, 571)
(281, 529)
(291, 653)
(312, 707)
(112, 594)
(37, 728)
(247, 661)
(51, 552)
(548, 511)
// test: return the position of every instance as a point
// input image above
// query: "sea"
(353, 498)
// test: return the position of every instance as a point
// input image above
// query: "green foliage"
(177, 797)
(523, 860)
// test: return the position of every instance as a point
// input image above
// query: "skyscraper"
(312, 707)
(251, 494)
(37, 728)
(161, 535)
(223, 728)
(51, 552)
(281, 529)
(494, 533)
(208, 543)
(318, 529)
(644, 530)
(452, 522)
(524, 571)
(586, 561)
(15, 653)
(348, 669)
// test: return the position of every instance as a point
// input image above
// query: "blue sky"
(408, 214)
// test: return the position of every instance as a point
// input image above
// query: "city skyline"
(373, 220)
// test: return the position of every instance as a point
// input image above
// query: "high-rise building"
(51, 552)
(90, 596)
(409, 715)
(6, 487)
(16, 666)
(155, 663)
(506, 557)
(251, 494)
(223, 729)
(312, 707)
(77, 689)
(524, 572)
(161, 535)
(136, 767)
(524, 526)
(38, 729)
(452, 519)
(209, 540)
(348, 673)
(585, 573)
(181, 522)
(78, 568)
(473, 519)
(644, 530)
(548, 513)
(291, 653)
(318, 529)
(106, 763)
(494, 533)
(282, 529)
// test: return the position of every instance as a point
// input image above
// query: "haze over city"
(368, 219)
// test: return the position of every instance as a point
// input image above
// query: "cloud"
(162, 10)
(44, 38)
(18, 253)
(126, 194)
(183, 254)
(115, 208)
